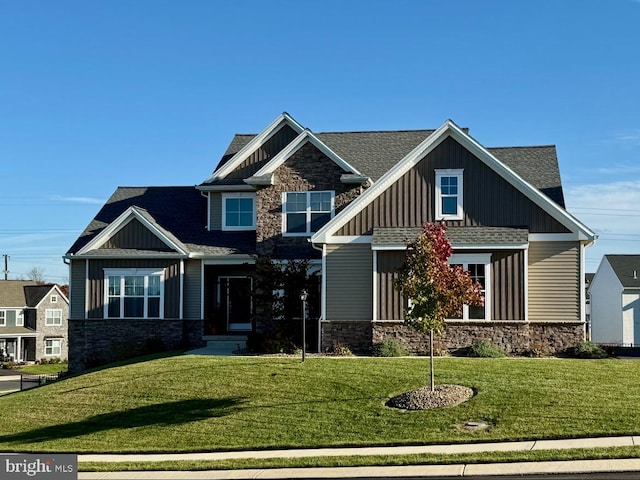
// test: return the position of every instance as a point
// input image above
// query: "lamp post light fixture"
(303, 297)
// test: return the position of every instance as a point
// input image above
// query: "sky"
(96, 95)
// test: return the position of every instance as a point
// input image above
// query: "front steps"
(222, 345)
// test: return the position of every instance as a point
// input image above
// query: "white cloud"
(630, 137)
(88, 200)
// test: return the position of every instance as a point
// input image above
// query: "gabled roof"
(450, 129)
(243, 153)
(180, 212)
(266, 172)
(24, 293)
(375, 153)
(626, 268)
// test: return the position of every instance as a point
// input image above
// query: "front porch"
(18, 345)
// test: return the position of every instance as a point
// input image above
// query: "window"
(134, 294)
(54, 298)
(3, 318)
(20, 318)
(449, 195)
(238, 211)
(53, 317)
(52, 347)
(478, 266)
(306, 212)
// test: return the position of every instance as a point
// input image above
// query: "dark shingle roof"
(182, 211)
(458, 236)
(374, 153)
(626, 268)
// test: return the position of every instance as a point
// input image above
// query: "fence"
(29, 380)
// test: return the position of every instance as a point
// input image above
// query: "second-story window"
(306, 212)
(449, 195)
(53, 317)
(239, 211)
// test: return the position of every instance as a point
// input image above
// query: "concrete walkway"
(414, 470)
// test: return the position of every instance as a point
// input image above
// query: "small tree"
(36, 274)
(434, 290)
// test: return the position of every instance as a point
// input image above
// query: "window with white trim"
(135, 293)
(479, 267)
(3, 318)
(449, 195)
(54, 298)
(52, 347)
(305, 213)
(20, 318)
(53, 317)
(238, 211)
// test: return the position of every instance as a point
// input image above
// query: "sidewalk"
(351, 472)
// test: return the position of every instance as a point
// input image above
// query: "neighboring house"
(588, 278)
(33, 321)
(615, 301)
(173, 262)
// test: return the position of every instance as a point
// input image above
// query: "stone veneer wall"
(513, 337)
(94, 342)
(356, 335)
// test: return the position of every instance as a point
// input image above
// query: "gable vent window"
(306, 212)
(449, 195)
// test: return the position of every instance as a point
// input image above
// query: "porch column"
(19, 349)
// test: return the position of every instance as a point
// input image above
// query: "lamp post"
(303, 297)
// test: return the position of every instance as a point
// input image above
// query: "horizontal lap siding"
(488, 198)
(192, 289)
(554, 281)
(349, 282)
(78, 289)
(171, 283)
(390, 302)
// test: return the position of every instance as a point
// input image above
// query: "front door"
(236, 303)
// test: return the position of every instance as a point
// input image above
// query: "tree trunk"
(433, 382)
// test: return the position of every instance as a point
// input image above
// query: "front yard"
(193, 403)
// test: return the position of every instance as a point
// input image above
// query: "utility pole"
(6, 266)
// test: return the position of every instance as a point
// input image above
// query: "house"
(174, 262)
(33, 321)
(615, 301)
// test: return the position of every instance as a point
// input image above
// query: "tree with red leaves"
(434, 290)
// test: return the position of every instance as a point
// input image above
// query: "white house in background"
(615, 301)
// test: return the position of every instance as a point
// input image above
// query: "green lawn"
(47, 368)
(193, 403)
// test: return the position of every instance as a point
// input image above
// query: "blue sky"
(94, 95)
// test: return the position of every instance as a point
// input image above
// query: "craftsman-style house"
(177, 263)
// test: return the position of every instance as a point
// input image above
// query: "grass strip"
(360, 461)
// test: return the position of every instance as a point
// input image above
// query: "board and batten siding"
(264, 153)
(192, 289)
(349, 282)
(77, 292)
(554, 281)
(488, 198)
(507, 285)
(134, 235)
(171, 283)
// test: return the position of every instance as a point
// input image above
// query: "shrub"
(535, 350)
(587, 349)
(154, 344)
(271, 342)
(341, 350)
(485, 349)
(389, 348)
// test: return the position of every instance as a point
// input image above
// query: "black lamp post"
(303, 297)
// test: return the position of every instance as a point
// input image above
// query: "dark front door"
(236, 303)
